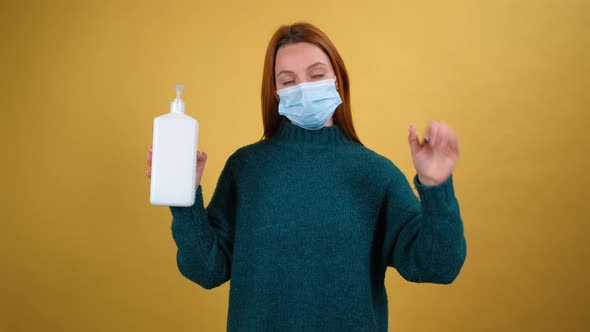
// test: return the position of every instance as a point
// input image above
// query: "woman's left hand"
(436, 156)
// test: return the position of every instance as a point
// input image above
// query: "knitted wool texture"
(305, 224)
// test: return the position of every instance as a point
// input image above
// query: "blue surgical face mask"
(310, 104)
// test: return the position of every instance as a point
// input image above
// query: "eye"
(288, 82)
(317, 76)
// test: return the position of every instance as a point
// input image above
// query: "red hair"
(297, 33)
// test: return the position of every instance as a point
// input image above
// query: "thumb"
(201, 159)
(413, 139)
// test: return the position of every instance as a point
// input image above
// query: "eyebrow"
(317, 64)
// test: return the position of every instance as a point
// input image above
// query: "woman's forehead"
(299, 56)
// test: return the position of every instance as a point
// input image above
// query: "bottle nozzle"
(177, 105)
(179, 88)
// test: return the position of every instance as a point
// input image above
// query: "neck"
(330, 122)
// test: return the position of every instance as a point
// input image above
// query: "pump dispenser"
(174, 156)
(177, 105)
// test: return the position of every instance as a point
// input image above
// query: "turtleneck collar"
(291, 133)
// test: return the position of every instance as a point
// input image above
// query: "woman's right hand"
(201, 161)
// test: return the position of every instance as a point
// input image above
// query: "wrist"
(428, 182)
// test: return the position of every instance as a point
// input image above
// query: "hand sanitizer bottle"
(174, 156)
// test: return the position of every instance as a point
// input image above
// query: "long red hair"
(297, 33)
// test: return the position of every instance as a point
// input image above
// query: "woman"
(306, 221)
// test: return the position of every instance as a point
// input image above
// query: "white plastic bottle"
(174, 156)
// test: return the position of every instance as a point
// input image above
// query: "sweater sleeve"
(204, 236)
(424, 238)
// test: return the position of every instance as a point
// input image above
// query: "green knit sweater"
(305, 224)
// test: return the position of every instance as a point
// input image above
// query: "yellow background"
(82, 249)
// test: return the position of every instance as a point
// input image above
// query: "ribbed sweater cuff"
(439, 199)
(186, 225)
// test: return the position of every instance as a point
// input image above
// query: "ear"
(276, 96)
(336, 82)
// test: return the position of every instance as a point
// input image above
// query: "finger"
(150, 148)
(413, 139)
(428, 133)
(201, 156)
(441, 138)
(148, 173)
(453, 142)
(431, 132)
(149, 158)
